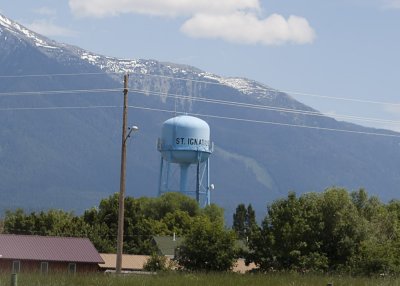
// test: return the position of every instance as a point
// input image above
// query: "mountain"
(60, 135)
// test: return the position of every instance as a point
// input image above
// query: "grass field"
(181, 279)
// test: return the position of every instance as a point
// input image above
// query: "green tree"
(207, 247)
(244, 221)
(157, 208)
(178, 222)
(379, 251)
(144, 218)
(289, 236)
(138, 230)
(214, 213)
(15, 222)
(343, 229)
(156, 263)
(52, 222)
(239, 221)
(314, 232)
(251, 220)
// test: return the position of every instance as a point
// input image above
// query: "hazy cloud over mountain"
(101, 8)
(392, 4)
(50, 29)
(46, 11)
(230, 20)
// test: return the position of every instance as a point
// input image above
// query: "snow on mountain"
(144, 67)
(114, 65)
(31, 36)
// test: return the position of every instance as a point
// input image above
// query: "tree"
(207, 247)
(214, 213)
(288, 238)
(251, 222)
(343, 229)
(157, 208)
(314, 232)
(52, 222)
(379, 251)
(156, 263)
(16, 222)
(177, 222)
(239, 221)
(144, 218)
(244, 221)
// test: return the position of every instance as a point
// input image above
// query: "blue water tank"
(185, 140)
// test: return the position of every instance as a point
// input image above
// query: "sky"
(341, 57)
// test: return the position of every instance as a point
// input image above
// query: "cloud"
(391, 108)
(104, 8)
(247, 28)
(48, 28)
(46, 11)
(391, 4)
(235, 21)
(391, 113)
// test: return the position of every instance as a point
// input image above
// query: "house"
(30, 253)
(241, 267)
(130, 263)
(167, 245)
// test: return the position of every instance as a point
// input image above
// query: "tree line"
(331, 231)
(334, 231)
(172, 213)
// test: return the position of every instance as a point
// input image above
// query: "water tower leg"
(198, 183)
(184, 174)
(160, 177)
(208, 182)
(166, 184)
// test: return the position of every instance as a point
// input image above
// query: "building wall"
(53, 266)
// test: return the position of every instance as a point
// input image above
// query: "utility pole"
(121, 200)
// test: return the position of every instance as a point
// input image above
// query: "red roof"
(47, 248)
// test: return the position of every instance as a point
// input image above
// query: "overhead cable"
(269, 122)
(205, 115)
(212, 81)
(206, 100)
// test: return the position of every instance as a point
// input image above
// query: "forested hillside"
(60, 110)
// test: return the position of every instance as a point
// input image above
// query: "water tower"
(185, 144)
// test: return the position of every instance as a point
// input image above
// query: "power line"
(57, 74)
(270, 122)
(268, 107)
(206, 115)
(206, 100)
(59, 107)
(212, 81)
(342, 98)
(54, 92)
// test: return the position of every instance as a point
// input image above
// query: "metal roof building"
(45, 253)
(129, 262)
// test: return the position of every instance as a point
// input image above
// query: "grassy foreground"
(183, 279)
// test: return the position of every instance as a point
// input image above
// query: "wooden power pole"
(121, 199)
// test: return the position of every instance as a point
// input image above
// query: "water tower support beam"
(208, 182)
(184, 175)
(166, 185)
(198, 183)
(160, 178)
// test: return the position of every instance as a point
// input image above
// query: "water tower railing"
(161, 146)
